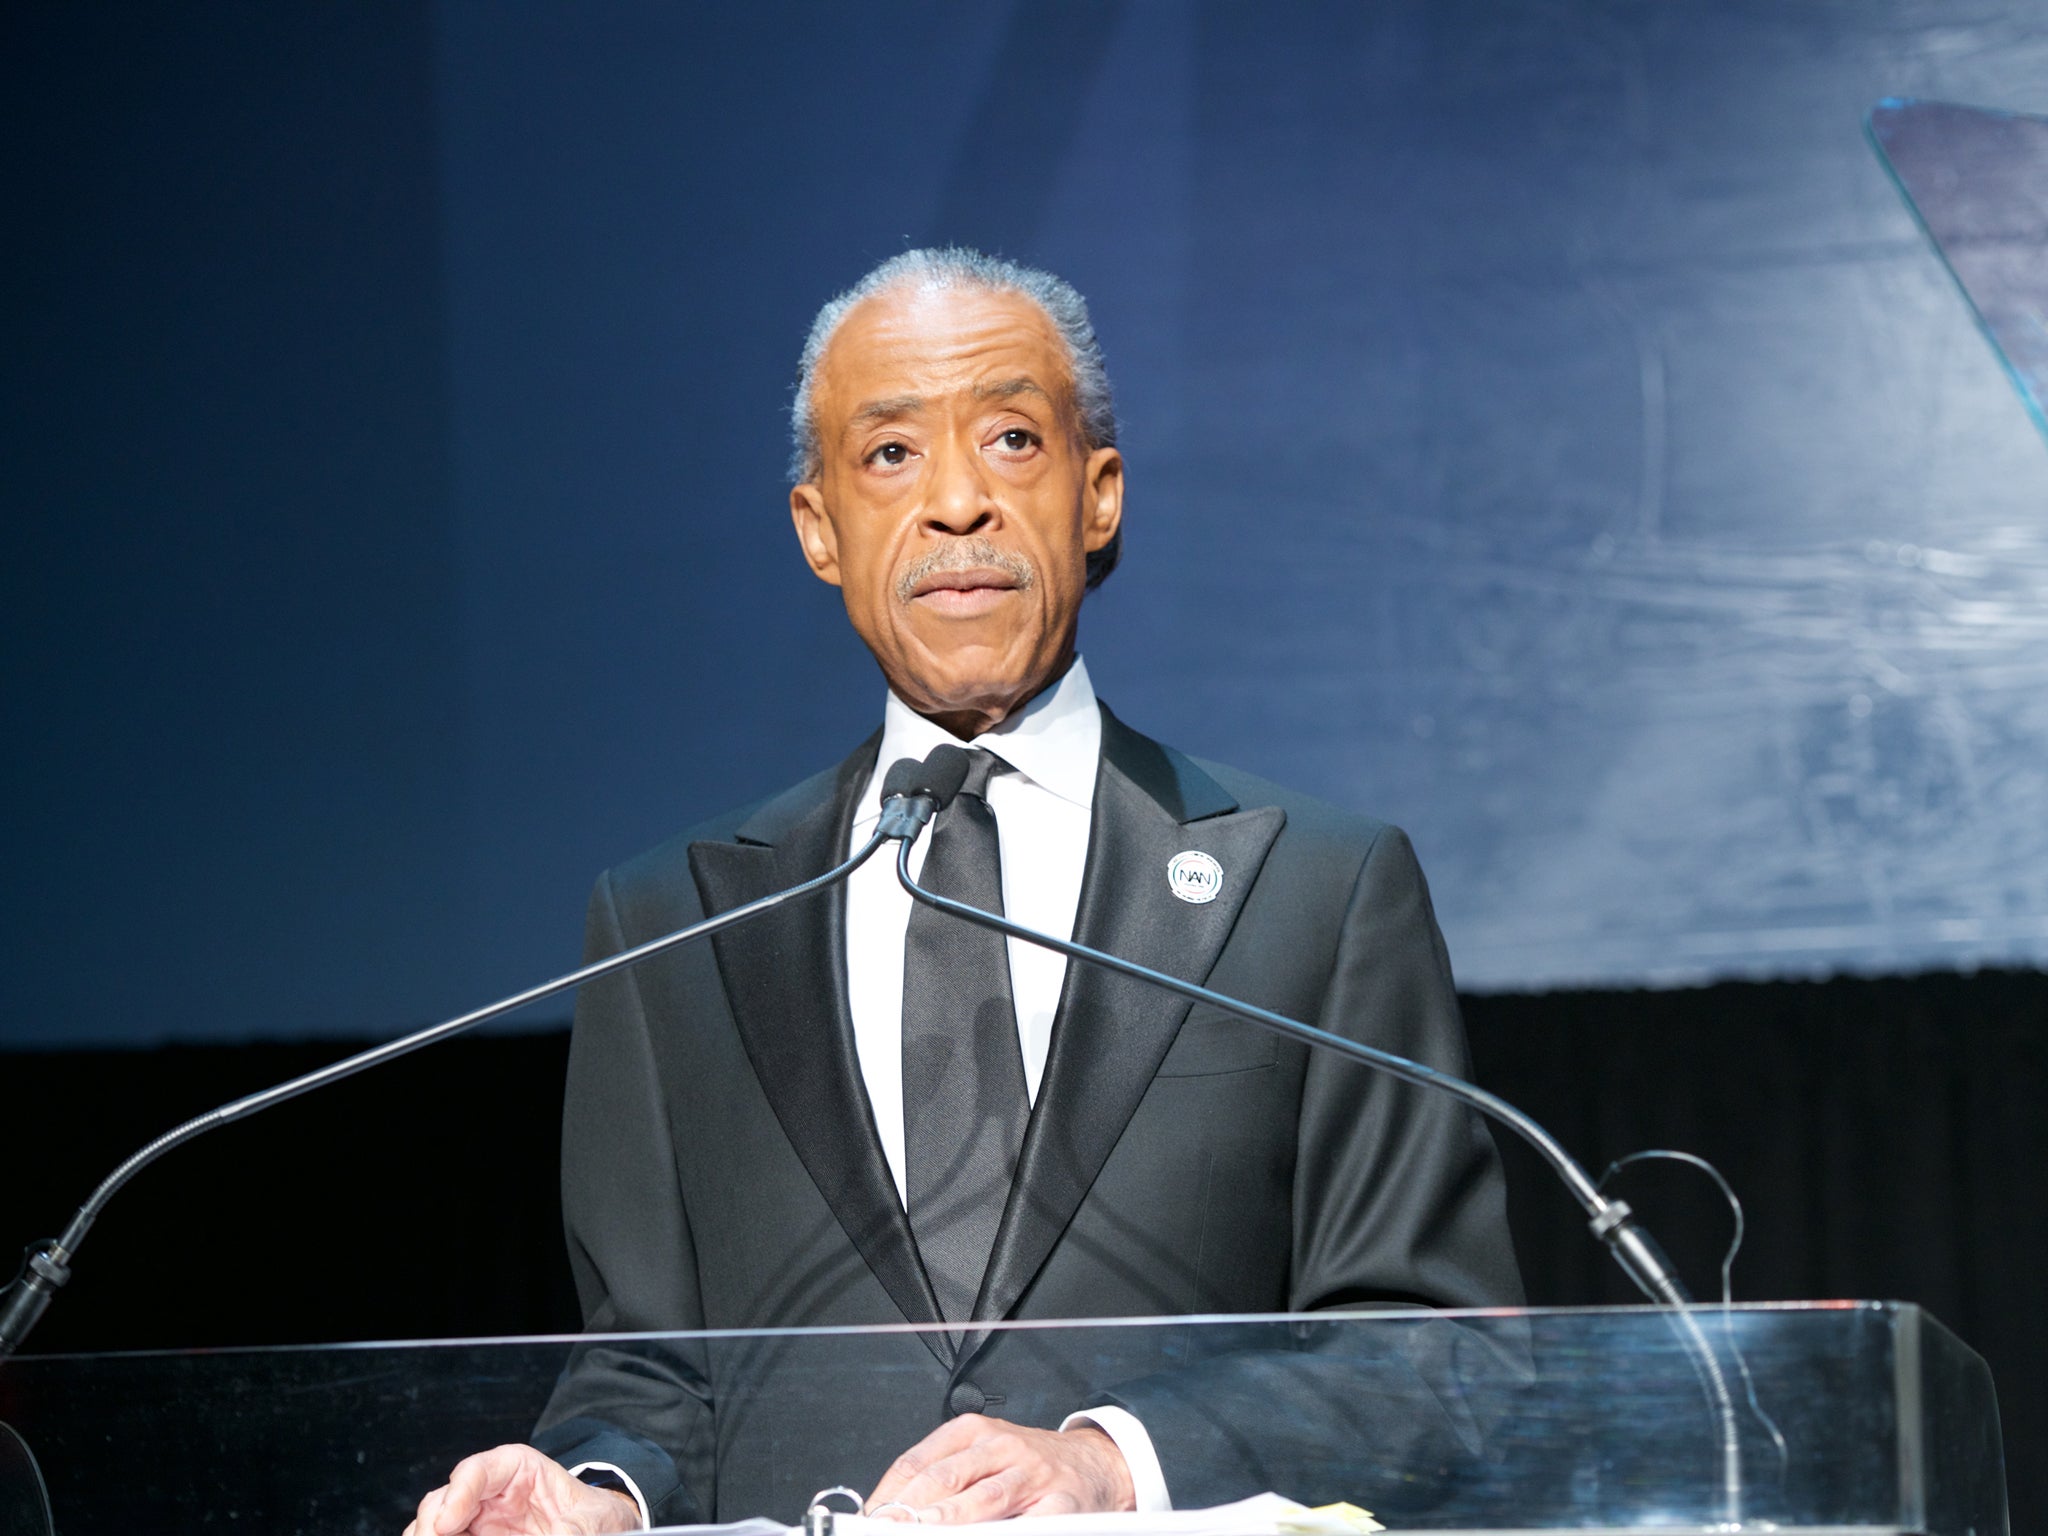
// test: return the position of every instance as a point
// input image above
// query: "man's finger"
(1055, 1501)
(996, 1494)
(952, 1436)
(950, 1479)
(424, 1521)
(473, 1480)
(458, 1502)
(996, 1476)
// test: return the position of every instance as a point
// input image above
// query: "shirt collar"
(1054, 741)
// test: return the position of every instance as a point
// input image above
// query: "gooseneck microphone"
(1612, 1222)
(912, 792)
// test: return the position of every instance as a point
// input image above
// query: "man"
(773, 1133)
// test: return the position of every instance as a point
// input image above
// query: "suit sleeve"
(642, 1407)
(1398, 1202)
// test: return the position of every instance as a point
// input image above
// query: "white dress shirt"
(1041, 813)
(1042, 810)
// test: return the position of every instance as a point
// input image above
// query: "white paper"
(1264, 1514)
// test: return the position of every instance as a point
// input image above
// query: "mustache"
(968, 553)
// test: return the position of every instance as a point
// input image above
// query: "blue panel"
(1551, 436)
(1546, 429)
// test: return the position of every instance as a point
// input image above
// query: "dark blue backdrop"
(1547, 428)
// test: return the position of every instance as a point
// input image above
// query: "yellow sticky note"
(1330, 1520)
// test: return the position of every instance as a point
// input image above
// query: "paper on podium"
(1264, 1514)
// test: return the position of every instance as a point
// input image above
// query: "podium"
(1844, 1417)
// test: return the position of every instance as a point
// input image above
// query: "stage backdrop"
(1547, 428)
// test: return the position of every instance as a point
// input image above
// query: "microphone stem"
(49, 1267)
(1575, 1177)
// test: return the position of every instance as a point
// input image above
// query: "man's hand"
(516, 1491)
(975, 1468)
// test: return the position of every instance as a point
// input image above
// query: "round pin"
(1194, 876)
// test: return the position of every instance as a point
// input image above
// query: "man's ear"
(814, 531)
(1102, 498)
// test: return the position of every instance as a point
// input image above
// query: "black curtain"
(1883, 1136)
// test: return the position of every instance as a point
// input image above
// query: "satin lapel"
(1112, 1032)
(785, 978)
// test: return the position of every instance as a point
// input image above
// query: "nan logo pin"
(1195, 877)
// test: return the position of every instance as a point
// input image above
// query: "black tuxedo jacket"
(721, 1168)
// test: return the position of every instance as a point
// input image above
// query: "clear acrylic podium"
(1848, 1417)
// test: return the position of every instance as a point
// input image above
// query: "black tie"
(964, 1101)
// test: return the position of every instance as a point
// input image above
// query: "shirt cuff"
(1148, 1478)
(627, 1486)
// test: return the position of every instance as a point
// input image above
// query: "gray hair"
(936, 269)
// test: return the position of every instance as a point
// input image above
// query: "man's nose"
(962, 499)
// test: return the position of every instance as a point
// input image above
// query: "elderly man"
(927, 1124)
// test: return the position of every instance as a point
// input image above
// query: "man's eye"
(890, 453)
(1017, 439)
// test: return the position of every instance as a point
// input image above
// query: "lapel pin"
(1194, 877)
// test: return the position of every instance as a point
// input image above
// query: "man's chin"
(967, 707)
(949, 674)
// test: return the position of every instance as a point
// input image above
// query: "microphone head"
(938, 778)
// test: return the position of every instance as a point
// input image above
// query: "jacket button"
(966, 1397)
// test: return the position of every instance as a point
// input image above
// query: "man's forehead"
(894, 407)
(897, 351)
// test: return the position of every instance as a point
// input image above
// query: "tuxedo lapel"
(1111, 1032)
(784, 975)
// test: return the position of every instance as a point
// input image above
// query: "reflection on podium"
(1858, 1416)
(24, 1502)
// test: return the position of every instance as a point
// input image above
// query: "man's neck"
(1055, 740)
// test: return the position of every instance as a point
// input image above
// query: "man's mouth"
(969, 580)
(963, 594)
